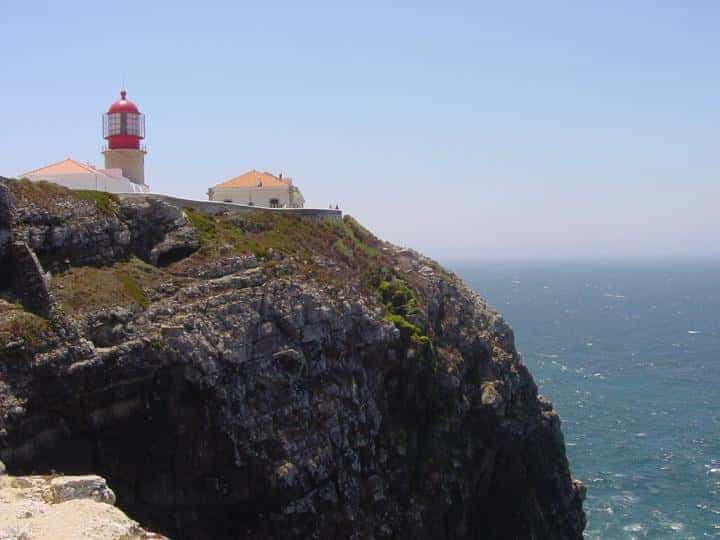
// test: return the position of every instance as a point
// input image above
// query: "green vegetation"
(253, 233)
(357, 230)
(260, 232)
(133, 290)
(358, 237)
(105, 202)
(204, 225)
(397, 297)
(400, 303)
(342, 249)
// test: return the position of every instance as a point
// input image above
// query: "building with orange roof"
(256, 188)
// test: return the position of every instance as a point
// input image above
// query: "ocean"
(629, 354)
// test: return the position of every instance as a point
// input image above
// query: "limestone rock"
(30, 280)
(76, 232)
(71, 508)
(65, 488)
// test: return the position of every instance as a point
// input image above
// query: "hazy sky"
(464, 129)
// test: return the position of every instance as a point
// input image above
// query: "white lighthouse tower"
(124, 128)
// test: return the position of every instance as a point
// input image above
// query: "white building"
(75, 175)
(257, 188)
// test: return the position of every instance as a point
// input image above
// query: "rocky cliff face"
(266, 377)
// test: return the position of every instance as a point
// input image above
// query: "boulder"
(66, 488)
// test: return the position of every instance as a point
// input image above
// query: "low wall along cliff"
(216, 207)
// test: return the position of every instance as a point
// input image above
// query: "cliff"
(262, 376)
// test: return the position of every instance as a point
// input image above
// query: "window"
(124, 124)
(132, 124)
(114, 124)
(274, 203)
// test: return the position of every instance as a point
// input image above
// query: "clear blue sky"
(464, 129)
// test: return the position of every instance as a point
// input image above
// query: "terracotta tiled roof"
(66, 166)
(254, 179)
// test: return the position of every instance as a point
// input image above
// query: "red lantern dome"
(123, 105)
(123, 124)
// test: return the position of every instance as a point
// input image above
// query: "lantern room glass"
(122, 123)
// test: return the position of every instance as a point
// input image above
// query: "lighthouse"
(124, 129)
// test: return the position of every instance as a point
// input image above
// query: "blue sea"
(629, 354)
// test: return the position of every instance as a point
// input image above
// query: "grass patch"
(45, 195)
(57, 199)
(87, 288)
(204, 225)
(105, 202)
(133, 290)
(359, 231)
(359, 238)
(259, 232)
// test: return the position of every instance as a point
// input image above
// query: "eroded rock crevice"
(157, 442)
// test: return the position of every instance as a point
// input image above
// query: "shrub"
(397, 297)
(400, 302)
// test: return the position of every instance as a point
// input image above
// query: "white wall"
(259, 196)
(98, 182)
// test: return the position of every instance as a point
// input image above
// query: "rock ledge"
(67, 507)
